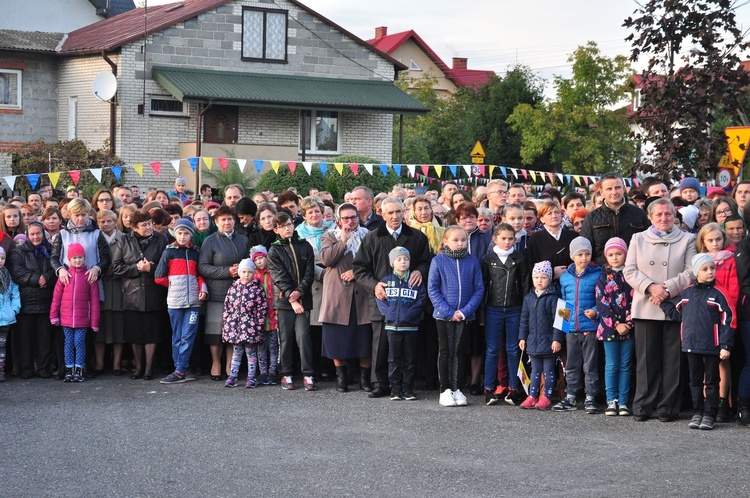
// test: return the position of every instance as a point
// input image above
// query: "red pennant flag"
(75, 175)
(292, 166)
(156, 166)
(425, 170)
(481, 169)
(525, 174)
(223, 162)
(355, 168)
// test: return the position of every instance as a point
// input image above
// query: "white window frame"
(151, 112)
(19, 75)
(413, 66)
(313, 137)
(72, 118)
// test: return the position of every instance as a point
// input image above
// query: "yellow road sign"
(738, 139)
(478, 160)
(478, 150)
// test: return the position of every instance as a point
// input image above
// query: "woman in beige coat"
(345, 307)
(658, 268)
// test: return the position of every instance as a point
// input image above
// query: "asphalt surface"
(120, 437)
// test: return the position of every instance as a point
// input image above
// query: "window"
(413, 66)
(10, 88)
(264, 35)
(72, 118)
(324, 136)
(166, 106)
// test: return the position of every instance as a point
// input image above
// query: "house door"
(220, 125)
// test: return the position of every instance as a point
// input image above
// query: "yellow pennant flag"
(439, 170)
(533, 175)
(275, 166)
(54, 178)
(492, 170)
(339, 167)
(578, 179)
(208, 161)
(138, 169)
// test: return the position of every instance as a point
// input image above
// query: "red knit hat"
(76, 249)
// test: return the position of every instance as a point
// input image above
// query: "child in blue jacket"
(10, 305)
(578, 285)
(402, 313)
(456, 290)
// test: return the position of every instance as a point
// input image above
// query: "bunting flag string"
(223, 162)
(139, 169)
(75, 175)
(55, 177)
(33, 180)
(156, 166)
(208, 161)
(292, 166)
(176, 165)
(97, 172)
(275, 166)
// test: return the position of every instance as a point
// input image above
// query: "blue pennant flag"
(33, 180)
(504, 171)
(117, 171)
(567, 178)
(193, 161)
(384, 169)
(323, 168)
(258, 165)
(397, 169)
(453, 169)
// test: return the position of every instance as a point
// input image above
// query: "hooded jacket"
(25, 268)
(580, 290)
(76, 305)
(537, 320)
(178, 272)
(455, 285)
(603, 223)
(404, 304)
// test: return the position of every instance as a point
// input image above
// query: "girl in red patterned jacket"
(268, 350)
(76, 307)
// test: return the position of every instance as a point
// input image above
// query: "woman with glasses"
(722, 207)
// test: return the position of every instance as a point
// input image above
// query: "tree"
(683, 108)
(579, 129)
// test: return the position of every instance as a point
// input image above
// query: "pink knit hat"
(76, 249)
(616, 243)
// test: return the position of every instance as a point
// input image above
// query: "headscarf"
(308, 232)
(45, 247)
(355, 239)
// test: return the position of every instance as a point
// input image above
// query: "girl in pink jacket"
(76, 307)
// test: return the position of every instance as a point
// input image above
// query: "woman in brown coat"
(345, 308)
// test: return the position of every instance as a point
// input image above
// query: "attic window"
(413, 66)
(264, 34)
(10, 88)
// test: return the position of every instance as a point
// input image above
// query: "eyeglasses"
(501, 192)
(348, 218)
(286, 225)
(724, 212)
(104, 200)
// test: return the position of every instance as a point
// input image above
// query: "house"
(221, 78)
(422, 62)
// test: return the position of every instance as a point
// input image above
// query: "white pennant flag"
(515, 172)
(412, 169)
(11, 181)
(97, 172)
(467, 168)
(241, 163)
(308, 167)
(368, 167)
(176, 165)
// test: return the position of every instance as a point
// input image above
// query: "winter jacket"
(76, 305)
(25, 269)
(742, 264)
(178, 272)
(244, 317)
(614, 296)
(580, 290)
(507, 283)
(603, 223)
(264, 280)
(544, 247)
(479, 243)
(217, 254)
(111, 283)
(292, 265)
(93, 242)
(373, 222)
(338, 295)
(10, 304)
(455, 285)
(727, 279)
(706, 317)
(140, 292)
(404, 304)
(537, 320)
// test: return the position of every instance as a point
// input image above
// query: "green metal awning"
(286, 91)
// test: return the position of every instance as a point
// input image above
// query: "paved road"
(119, 437)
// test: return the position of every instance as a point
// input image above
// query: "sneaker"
(590, 406)
(611, 410)
(263, 380)
(251, 383)
(309, 383)
(409, 395)
(565, 405)
(446, 398)
(501, 392)
(68, 375)
(287, 383)
(490, 398)
(695, 422)
(272, 380)
(231, 382)
(78, 374)
(529, 403)
(460, 398)
(707, 423)
(624, 411)
(396, 394)
(514, 397)
(544, 403)
(173, 378)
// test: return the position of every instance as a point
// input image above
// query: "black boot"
(724, 414)
(364, 379)
(341, 384)
(743, 411)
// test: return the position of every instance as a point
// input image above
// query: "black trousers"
(402, 355)
(451, 349)
(379, 354)
(657, 374)
(33, 332)
(704, 369)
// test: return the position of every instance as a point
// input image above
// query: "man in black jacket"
(371, 264)
(362, 199)
(615, 218)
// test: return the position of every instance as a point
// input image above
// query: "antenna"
(105, 86)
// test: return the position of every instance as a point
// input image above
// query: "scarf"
(502, 254)
(43, 249)
(659, 233)
(308, 232)
(4, 280)
(403, 278)
(355, 238)
(432, 231)
(143, 241)
(721, 256)
(72, 228)
(110, 238)
(459, 254)
(199, 237)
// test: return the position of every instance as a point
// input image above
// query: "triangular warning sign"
(477, 151)
(738, 139)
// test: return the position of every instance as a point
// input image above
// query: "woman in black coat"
(30, 268)
(552, 243)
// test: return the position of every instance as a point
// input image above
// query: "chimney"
(460, 63)
(380, 32)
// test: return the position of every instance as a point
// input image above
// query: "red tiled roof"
(474, 78)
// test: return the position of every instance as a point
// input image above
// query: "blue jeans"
(184, 327)
(617, 355)
(502, 323)
(743, 390)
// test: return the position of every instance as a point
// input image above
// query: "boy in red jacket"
(76, 307)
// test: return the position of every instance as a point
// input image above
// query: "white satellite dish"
(105, 86)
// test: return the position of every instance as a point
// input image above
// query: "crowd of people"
(593, 292)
